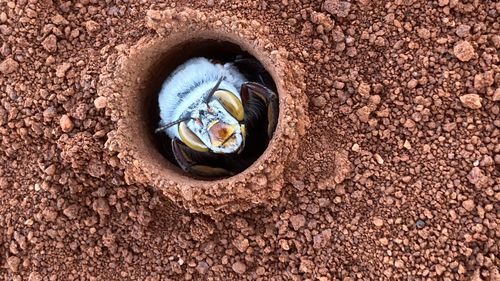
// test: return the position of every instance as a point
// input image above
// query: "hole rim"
(157, 161)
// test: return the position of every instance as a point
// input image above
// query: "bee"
(217, 117)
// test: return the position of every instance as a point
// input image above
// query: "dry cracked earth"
(396, 178)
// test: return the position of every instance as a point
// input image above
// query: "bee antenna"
(212, 91)
(168, 125)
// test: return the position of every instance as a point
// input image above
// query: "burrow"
(131, 83)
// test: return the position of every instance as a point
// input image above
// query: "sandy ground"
(396, 178)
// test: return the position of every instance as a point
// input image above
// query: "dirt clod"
(50, 43)
(8, 66)
(59, 20)
(202, 267)
(364, 114)
(306, 265)
(100, 102)
(477, 178)
(319, 101)
(472, 101)
(443, 3)
(378, 222)
(364, 89)
(468, 205)
(239, 267)
(483, 80)
(92, 27)
(66, 124)
(50, 214)
(338, 8)
(464, 51)
(13, 262)
(297, 221)
(71, 211)
(61, 69)
(496, 95)
(241, 244)
(101, 207)
(462, 30)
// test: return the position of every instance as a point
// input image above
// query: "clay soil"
(396, 176)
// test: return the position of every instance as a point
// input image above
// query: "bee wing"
(252, 90)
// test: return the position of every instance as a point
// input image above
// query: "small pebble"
(355, 147)
(62, 69)
(472, 101)
(468, 205)
(420, 224)
(464, 51)
(35, 276)
(13, 263)
(443, 3)
(338, 8)
(440, 269)
(8, 66)
(66, 124)
(51, 170)
(92, 27)
(239, 267)
(202, 267)
(407, 145)
(100, 102)
(3, 17)
(378, 222)
(378, 158)
(319, 101)
(364, 89)
(50, 43)
(384, 241)
(297, 221)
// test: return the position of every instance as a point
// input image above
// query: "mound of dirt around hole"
(131, 82)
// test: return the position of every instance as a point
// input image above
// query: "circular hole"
(222, 51)
(131, 82)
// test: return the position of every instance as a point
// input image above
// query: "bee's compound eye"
(190, 138)
(231, 103)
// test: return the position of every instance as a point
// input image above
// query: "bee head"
(215, 124)
(212, 128)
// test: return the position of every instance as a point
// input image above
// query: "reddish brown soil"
(397, 176)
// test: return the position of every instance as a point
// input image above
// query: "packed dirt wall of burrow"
(131, 82)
